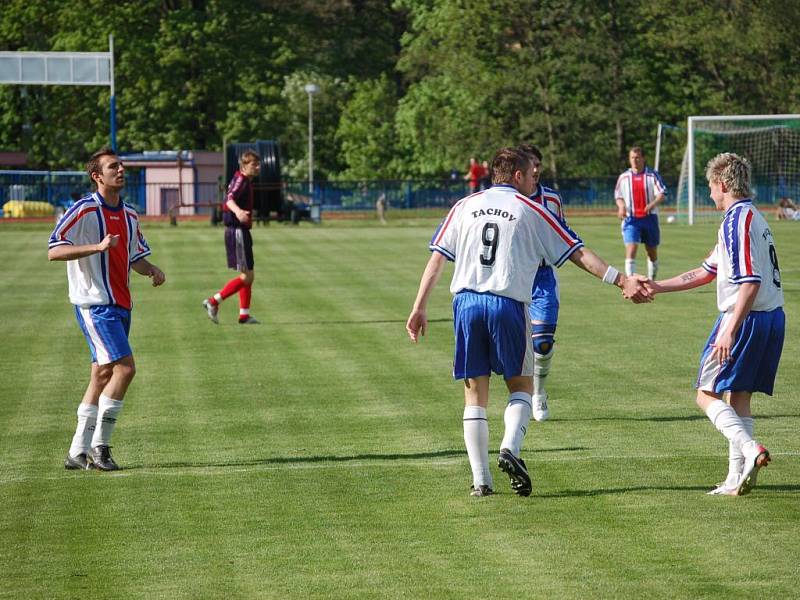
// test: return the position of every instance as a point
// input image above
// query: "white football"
(671, 219)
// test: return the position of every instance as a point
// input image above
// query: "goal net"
(770, 142)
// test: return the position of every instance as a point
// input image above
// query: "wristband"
(611, 275)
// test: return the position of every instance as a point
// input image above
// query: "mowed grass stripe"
(320, 454)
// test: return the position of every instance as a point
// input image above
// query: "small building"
(187, 181)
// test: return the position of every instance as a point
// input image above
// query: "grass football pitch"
(320, 454)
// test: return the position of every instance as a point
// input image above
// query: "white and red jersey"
(498, 238)
(637, 190)
(550, 199)
(745, 252)
(101, 278)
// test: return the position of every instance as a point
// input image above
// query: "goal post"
(770, 142)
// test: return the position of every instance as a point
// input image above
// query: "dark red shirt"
(240, 190)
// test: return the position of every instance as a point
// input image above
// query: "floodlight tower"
(311, 89)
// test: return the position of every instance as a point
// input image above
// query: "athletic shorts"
(106, 331)
(544, 296)
(492, 334)
(641, 231)
(239, 246)
(754, 356)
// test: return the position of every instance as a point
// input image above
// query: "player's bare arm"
(418, 319)
(620, 208)
(656, 201)
(685, 281)
(146, 268)
(632, 287)
(242, 215)
(67, 252)
(723, 344)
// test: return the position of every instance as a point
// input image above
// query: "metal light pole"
(311, 89)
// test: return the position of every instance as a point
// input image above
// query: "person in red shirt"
(474, 174)
(237, 216)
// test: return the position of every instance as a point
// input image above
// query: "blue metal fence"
(62, 187)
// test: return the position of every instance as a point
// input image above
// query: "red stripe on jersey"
(748, 265)
(638, 195)
(547, 216)
(447, 221)
(77, 218)
(118, 264)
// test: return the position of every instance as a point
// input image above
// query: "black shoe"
(101, 458)
(517, 471)
(76, 463)
(481, 490)
(249, 321)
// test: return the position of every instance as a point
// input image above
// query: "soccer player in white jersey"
(497, 239)
(638, 193)
(744, 348)
(100, 238)
(543, 309)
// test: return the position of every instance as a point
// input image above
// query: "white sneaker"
(540, 410)
(755, 457)
(211, 310)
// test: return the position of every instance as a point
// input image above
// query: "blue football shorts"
(641, 231)
(492, 335)
(106, 329)
(754, 356)
(544, 296)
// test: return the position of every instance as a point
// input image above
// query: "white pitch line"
(214, 471)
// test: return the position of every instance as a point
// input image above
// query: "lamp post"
(311, 89)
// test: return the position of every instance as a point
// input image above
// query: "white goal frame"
(690, 128)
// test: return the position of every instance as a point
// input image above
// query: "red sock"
(233, 286)
(245, 293)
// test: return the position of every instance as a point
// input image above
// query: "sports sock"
(630, 266)
(215, 299)
(516, 418)
(107, 413)
(87, 420)
(652, 268)
(233, 286)
(735, 456)
(245, 293)
(541, 367)
(728, 423)
(476, 438)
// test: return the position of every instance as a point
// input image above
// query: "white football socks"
(728, 423)
(87, 419)
(476, 438)
(541, 367)
(652, 268)
(630, 266)
(735, 456)
(108, 410)
(516, 417)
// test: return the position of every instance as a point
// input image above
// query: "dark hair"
(506, 162)
(637, 149)
(93, 164)
(531, 149)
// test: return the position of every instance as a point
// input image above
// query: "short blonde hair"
(249, 156)
(732, 170)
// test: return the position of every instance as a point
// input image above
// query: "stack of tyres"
(267, 190)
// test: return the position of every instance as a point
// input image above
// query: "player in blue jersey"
(497, 238)
(543, 309)
(743, 350)
(638, 193)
